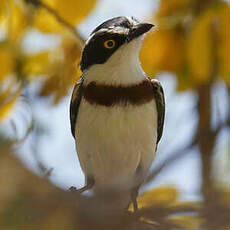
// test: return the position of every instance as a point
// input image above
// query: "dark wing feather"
(160, 103)
(75, 103)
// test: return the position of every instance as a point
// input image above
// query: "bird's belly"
(115, 143)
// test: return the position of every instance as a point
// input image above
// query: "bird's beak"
(138, 30)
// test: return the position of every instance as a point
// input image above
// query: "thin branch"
(228, 118)
(207, 142)
(70, 27)
(170, 160)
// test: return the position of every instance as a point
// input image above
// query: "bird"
(116, 111)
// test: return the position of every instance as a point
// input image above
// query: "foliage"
(188, 42)
(58, 66)
(192, 41)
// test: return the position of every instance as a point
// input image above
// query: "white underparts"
(112, 142)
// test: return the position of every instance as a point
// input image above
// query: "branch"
(170, 160)
(207, 142)
(70, 27)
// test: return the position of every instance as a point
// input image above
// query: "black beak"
(138, 30)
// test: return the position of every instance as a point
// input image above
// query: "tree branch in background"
(228, 116)
(178, 154)
(207, 142)
(70, 27)
(207, 138)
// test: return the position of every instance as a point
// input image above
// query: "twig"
(171, 159)
(228, 118)
(38, 3)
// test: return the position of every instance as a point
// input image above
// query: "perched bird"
(116, 112)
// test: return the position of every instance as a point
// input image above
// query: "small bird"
(116, 111)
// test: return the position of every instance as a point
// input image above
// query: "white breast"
(112, 142)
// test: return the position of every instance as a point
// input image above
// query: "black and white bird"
(117, 112)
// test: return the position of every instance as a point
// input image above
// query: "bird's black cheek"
(96, 55)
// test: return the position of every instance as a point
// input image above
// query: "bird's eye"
(109, 44)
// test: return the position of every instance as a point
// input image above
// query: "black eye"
(109, 44)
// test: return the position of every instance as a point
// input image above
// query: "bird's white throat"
(122, 68)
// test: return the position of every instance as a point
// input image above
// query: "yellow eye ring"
(109, 44)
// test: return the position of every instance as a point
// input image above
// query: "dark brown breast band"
(108, 95)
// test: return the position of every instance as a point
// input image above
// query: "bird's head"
(116, 38)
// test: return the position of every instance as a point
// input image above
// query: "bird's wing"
(160, 104)
(75, 103)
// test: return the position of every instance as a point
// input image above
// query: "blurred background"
(188, 51)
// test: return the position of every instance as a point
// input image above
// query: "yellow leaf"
(7, 102)
(70, 49)
(199, 47)
(18, 21)
(35, 64)
(46, 22)
(159, 196)
(185, 81)
(63, 70)
(6, 62)
(224, 44)
(188, 222)
(63, 76)
(3, 10)
(75, 11)
(167, 7)
(162, 51)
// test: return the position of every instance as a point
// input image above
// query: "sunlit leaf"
(185, 80)
(162, 51)
(58, 84)
(167, 8)
(35, 64)
(75, 11)
(17, 21)
(46, 22)
(3, 10)
(6, 61)
(200, 47)
(71, 49)
(62, 70)
(224, 44)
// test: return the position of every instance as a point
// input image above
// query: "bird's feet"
(134, 194)
(88, 186)
(73, 189)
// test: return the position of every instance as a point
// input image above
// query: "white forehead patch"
(118, 30)
(114, 29)
(132, 21)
